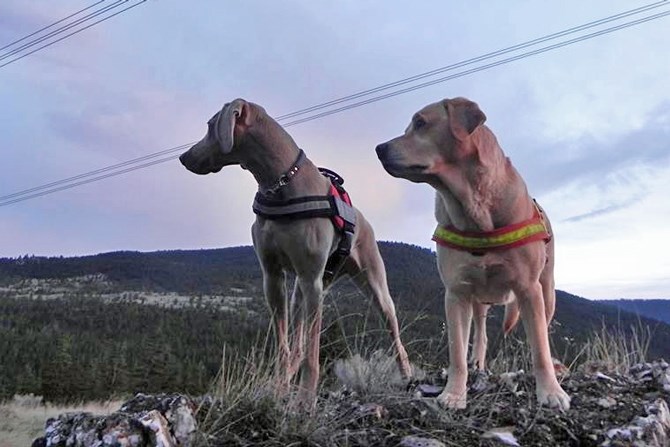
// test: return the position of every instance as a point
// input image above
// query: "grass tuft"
(615, 350)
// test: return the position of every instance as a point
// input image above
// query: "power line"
(74, 32)
(90, 180)
(481, 58)
(378, 89)
(97, 171)
(105, 172)
(476, 70)
(49, 26)
(60, 30)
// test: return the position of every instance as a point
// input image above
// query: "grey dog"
(242, 133)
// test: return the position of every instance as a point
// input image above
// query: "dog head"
(437, 138)
(225, 134)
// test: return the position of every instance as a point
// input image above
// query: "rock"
(661, 374)
(510, 380)
(144, 421)
(155, 422)
(602, 376)
(480, 381)
(626, 408)
(374, 411)
(651, 430)
(427, 390)
(502, 434)
(606, 402)
(417, 441)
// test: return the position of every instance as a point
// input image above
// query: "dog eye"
(419, 123)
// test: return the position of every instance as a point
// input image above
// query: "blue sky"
(588, 125)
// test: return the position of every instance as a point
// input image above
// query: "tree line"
(81, 347)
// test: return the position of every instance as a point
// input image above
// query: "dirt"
(607, 409)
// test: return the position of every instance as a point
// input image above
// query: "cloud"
(18, 19)
(588, 160)
(601, 211)
(587, 126)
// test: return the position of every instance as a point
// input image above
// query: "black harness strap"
(336, 205)
(300, 208)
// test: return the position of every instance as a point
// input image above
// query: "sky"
(587, 125)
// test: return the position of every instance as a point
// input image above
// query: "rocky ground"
(608, 409)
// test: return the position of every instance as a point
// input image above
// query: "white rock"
(417, 441)
(155, 421)
(602, 376)
(502, 434)
(606, 402)
(510, 380)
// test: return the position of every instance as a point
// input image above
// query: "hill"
(656, 309)
(130, 321)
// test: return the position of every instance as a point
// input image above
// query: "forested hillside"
(88, 327)
(657, 309)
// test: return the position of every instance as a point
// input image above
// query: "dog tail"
(511, 316)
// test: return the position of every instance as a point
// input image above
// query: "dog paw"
(556, 399)
(456, 401)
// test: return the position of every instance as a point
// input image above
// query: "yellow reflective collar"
(531, 230)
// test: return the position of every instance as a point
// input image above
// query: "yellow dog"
(494, 243)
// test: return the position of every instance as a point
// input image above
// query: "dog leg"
(366, 268)
(459, 316)
(274, 286)
(312, 291)
(479, 338)
(533, 315)
(549, 294)
(298, 342)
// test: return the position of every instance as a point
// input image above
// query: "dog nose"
(187, 161)
(381, 148)
(183, 158)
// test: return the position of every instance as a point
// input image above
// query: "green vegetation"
(81, 346)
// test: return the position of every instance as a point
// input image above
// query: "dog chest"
(488, 283)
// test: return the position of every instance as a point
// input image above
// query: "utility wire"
(83, 182)
(73, 33)
(475, 70)
(61, 29)
(377, 89)
(481, 58)
(97, 171)
(49, 26)
(104, 172)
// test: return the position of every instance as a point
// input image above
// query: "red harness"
(340, 193)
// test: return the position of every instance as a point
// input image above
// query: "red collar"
(480, 242)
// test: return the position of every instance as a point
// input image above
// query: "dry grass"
(244, 408)
(376, 374)
(615, 350)
(22, 419)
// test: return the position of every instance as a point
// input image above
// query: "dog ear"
(232, 112)
(464, 117)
